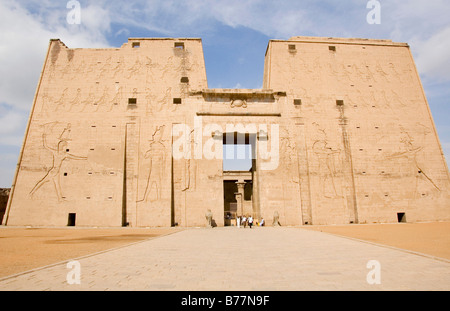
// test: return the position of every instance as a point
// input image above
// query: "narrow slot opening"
(71, 219)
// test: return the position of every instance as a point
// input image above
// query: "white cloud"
(27, 27)
(11, 121)
(433, 56)
(23, 45)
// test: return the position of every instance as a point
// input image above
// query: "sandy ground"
(431, 238)
(23, 249)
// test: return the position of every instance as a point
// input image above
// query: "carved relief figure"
(77, 99)
(59, 155)
(102, 100)
(46, 99)
(134, 70)
(88, 100)
(118, 69)
(105, 68)
(116, 99)
(411, 151)
(149, 67)
(327, 166)
(61, 101)
(190, 166)
(381, 73)
(156, 155)
(167, 68)
(289, 157)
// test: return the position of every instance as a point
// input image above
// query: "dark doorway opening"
(229, 193)
(401, 217)
(71, 219)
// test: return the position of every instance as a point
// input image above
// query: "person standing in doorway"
(250, 221)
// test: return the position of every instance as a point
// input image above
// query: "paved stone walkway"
(290, 259)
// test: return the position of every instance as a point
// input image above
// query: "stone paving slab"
(238, 259)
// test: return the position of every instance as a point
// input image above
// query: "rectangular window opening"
(332, 48)
(177, 101)
(339, 102)
(292, 48)
(297, 102)
(136, 45)
(184, 80)
(401, 217)
(71, 219)
(179, 45)
(132, 101)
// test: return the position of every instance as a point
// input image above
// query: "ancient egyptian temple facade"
(341, 132)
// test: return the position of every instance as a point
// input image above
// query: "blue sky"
(235, 34)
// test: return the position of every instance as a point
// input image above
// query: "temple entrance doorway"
(238, 171)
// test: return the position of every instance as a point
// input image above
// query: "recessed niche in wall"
(179, 45)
